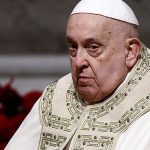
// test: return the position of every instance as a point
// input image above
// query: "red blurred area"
(13, 109)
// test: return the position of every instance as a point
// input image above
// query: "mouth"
(84, 80)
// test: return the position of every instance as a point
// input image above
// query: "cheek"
(73, 70)
(110, 75)
(102, 75)
(104, 70)
(99, 69)
(73, 66)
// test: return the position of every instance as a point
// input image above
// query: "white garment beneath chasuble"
(61, 121)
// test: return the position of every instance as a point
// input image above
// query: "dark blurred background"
(33, 53)
(33, 26)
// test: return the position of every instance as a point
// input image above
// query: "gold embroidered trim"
(52, 121)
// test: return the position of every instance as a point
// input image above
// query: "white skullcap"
(116, 9)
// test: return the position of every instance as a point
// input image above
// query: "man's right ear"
(133, 47)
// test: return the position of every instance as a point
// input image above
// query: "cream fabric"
(137, 137)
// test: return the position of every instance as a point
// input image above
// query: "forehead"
(88, 25)
(90, 20)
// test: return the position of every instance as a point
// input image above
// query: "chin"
(89, 93)
(91, 97)
(90, 100)
(88, 97)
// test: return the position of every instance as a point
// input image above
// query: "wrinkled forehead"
(86, 18)
(92, 21)
(89, 26)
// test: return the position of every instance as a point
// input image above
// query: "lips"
(84, 80)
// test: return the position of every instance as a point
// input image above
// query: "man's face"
(97, 56)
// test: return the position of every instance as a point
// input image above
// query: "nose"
(81, 60)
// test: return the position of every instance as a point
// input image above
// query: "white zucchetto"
(116, 9)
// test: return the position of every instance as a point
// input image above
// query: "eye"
(72, 50)
(93, 48)
(71, 46)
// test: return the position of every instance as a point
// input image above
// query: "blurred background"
(33, 52)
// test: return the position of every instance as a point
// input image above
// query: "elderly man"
(104, 103)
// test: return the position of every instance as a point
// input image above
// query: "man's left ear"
(133, 47)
